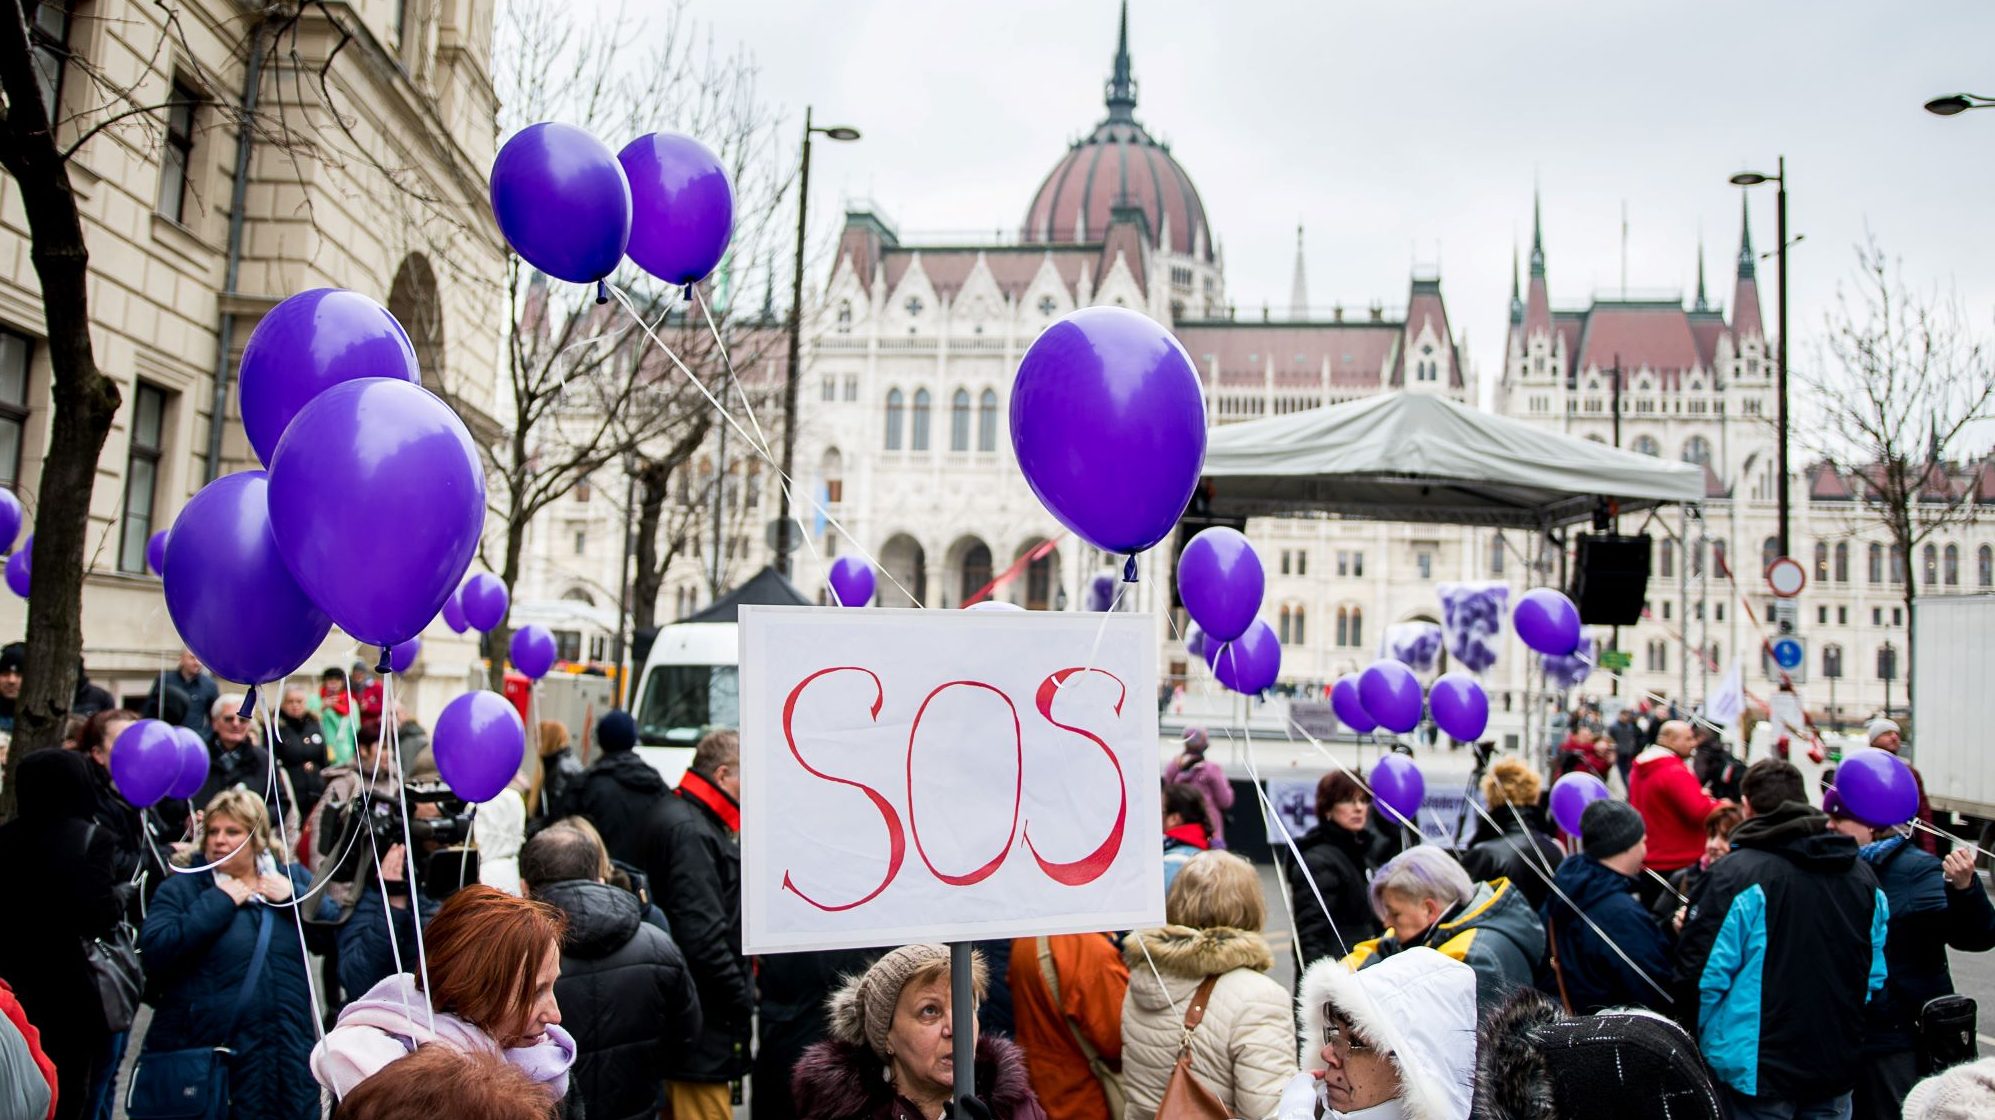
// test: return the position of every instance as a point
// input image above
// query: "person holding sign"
(891, 1051)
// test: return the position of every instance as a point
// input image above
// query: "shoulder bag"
(1184, 1097)
(1111, 1081)
(114, 966)
(193, 1084)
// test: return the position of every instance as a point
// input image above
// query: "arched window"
(1696, 450)
(1821, 561)
(1842, 561)
(1876, 565)
(1282, 629)
(1496, 553)
(1646, 445)
(1668, 557)
(1832, 662)
(919, 442)
(987, 421)
(959, 421)
(1984, 562)
(1929, 565)
(895, 407)
(1769, 551)
(1350, 626)
(1718, 565)
(976, 570)
(1952, 565)
(832, 470)
(1296, 618)
(1897, 564)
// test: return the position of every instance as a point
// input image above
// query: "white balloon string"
(1094, 651)
(291, 904)
(788, 482)
(391, 730)
(1176, 1016)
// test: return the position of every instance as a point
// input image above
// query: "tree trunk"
(85, 402)
(654, 483)
(500, 638)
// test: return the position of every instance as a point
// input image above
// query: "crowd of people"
(1698, 949)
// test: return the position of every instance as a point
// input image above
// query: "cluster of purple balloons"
(851, 581)
(1221, 582)
(1388, 695)
(151, 760)
(1108, 424)
(480, 603)
(573, 209)
(20, 565)
(260, 565)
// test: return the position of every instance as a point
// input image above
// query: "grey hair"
(1426, 871)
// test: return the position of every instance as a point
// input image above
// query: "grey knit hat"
(1961, 1093)
(862, 1009)
(1608, 827)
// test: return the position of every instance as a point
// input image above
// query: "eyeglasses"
(232, 718)
(1338, 1035)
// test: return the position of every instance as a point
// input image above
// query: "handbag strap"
(1052, 975)
(264, 923)
(1195, 1013)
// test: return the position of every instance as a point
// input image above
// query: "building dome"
(1119, 165)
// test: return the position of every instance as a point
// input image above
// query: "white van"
(691, 682)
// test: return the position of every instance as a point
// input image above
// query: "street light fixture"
(1954, 104)
(1779, 179)
(785, 544)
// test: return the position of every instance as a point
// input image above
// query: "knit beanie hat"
(1877, 728)
(1608, 827)
(1961, 1093)
(616, 731)
(862, 1010)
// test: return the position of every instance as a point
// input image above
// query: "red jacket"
(1093, 982)
(1673, 805)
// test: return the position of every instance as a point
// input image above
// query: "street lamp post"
(1779, 178)
(784, 544)
(1954, 104)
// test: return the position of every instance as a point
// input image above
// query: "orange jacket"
(1093, 981)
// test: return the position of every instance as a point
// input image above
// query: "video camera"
(357, 832)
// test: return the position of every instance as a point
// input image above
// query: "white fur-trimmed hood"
(1416, 1004)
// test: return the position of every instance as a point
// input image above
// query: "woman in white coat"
(1243, 1050)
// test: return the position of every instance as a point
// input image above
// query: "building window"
(1769, 551)
(987, 420)
(1897, 564)
(1423, 561)
(959, 421)
(919, 440)
(1821, 562)
(1952, 565)
(48, 34)
(1842, 616)
(1876, 563)
(832, 469)
(1897, 616)
(1496, 553)
(829, 392)
(1285, 563)
(1668, 557)
(976, 570)
(1697, 450)
(1301, 563)
(1282, 628)
(844, 316)
(1343, 564)
(176, 156)
(1720, 607)
(1832, 662)
(581, 542)
(1842, 561)
(148, 434)
(1822, 616)
(851, 386)
(1718, 563)
(15, 351)
(1984, 563)
(894, 409)
(1658, 661)
(1877, 616)
(1929, 566)
(1350, 626)
(1646, 445)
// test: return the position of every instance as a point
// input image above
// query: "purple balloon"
(1391, 695)
(306, 345)
(155, 552)
(1350, 708)
(484, 602)
(1196, 641)
(1877, 787)
(562, 201)
(852, 581)
(11, 516)
(1398, 785)
(453, 613)
(229, 593)
(145, 761)
(402, 655)
(1547, 621)
(193, 764)
(1461, 707)
(1101, 593)
(377, 498)
(21, 568)
(1250, 663)
(1570, 797)
(533, 650)
(682, 206)
(1221, 582)
(1108, 425)
(478, 743)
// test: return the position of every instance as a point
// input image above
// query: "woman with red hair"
(493, 960)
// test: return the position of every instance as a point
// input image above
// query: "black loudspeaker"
(1612, 580)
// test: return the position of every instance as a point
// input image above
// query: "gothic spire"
(1702, 303)
(1537, 237)
(1745, 239)
(1298, 288)
(1121, 86)
(1516, 292)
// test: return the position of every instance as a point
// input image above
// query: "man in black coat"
(196, 692)
(625, 991)
(690, 852)
(620, 789)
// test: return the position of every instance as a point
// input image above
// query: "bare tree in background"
(586, 388)
(1904, 378)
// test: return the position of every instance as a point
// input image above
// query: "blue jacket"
(1779, 956)
(196, 945)
(1927, 917)
(1595, 976)
(367, 955)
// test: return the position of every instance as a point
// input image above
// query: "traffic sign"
(1616, 660)
(1789, 653)
(1786, 616)
(1786, 577)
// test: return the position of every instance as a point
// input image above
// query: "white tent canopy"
(1411, 457)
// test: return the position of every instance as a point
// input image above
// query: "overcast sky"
(1410, 133)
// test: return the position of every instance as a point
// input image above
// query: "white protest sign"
(913, 775)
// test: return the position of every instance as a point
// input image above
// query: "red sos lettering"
(1073, 873)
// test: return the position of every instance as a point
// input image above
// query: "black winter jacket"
(197, 944)
(791, 1017)
(561, 785)
(1595, 976)
(694, 864)
(1927, 917)
(59, 878)
(1336, 859)
(1505, 852)
(618, 795)
(301, 750)
(625, 994)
